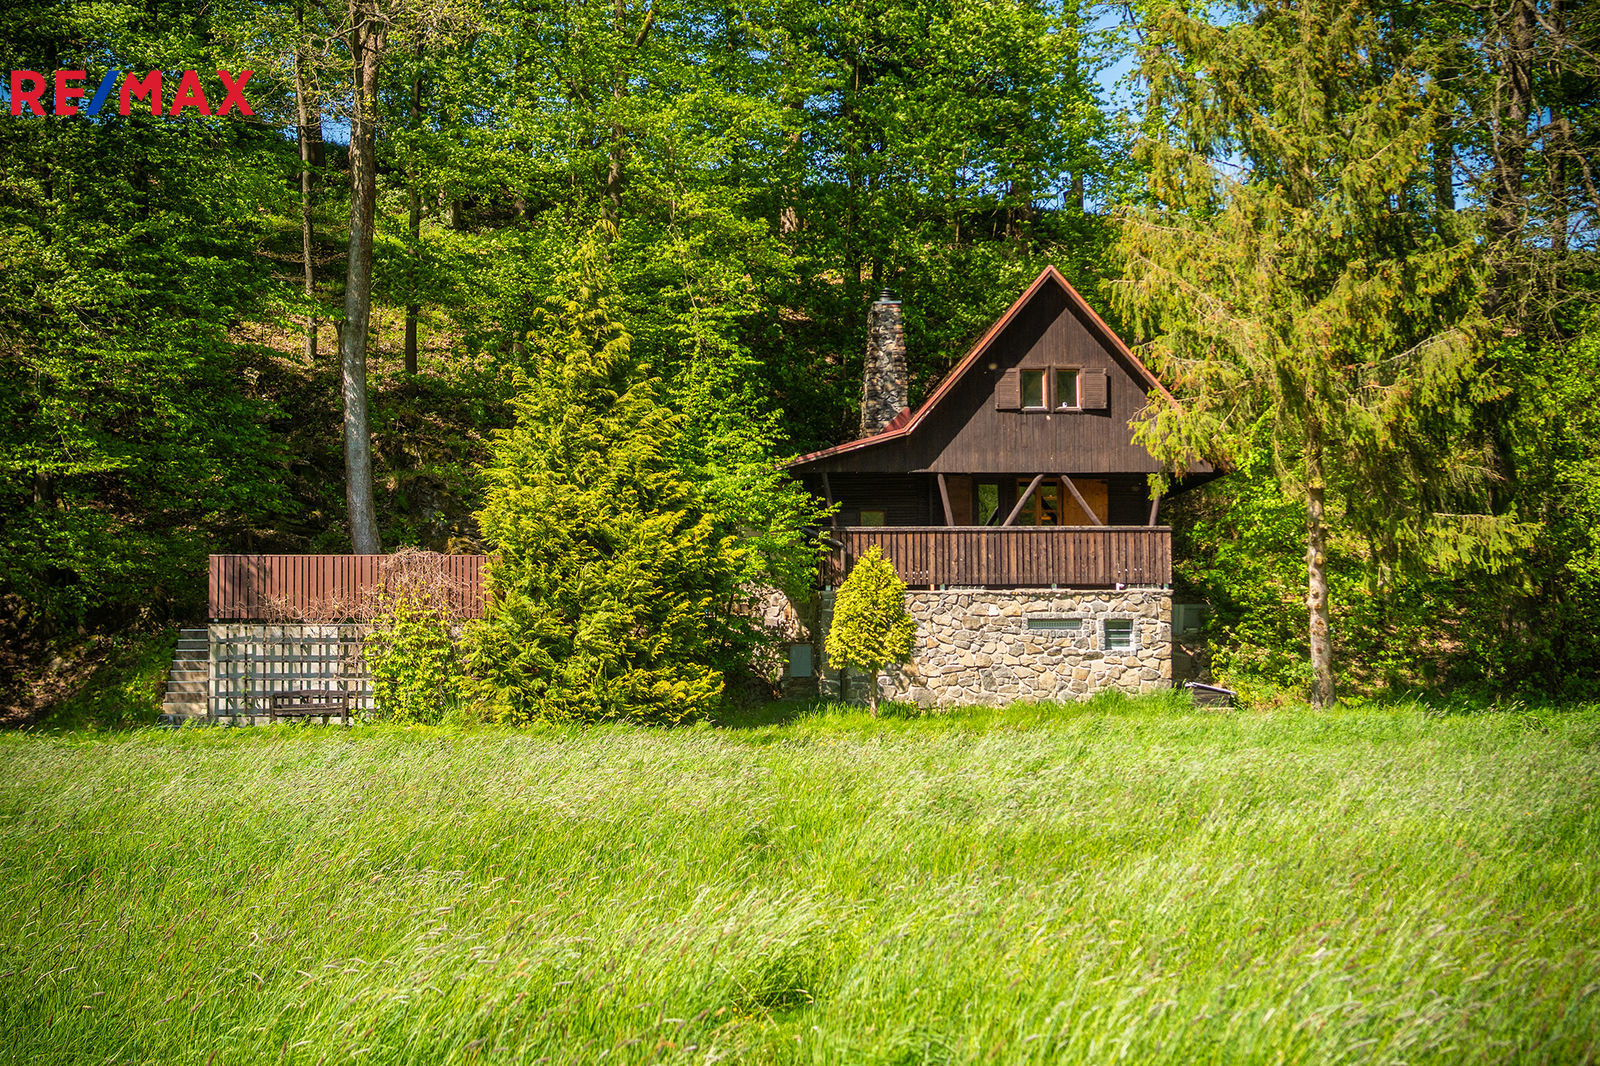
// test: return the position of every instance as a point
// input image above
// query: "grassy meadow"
(1127, 881)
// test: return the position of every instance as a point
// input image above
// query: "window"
(1119, 634)
(1060, 625)
(1043, 507)
(1066, 389)
(1033, 390)
(872, 518)
(1051, 388)
(988, 502)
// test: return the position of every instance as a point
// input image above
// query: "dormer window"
(1033, 390)
(1067, 389)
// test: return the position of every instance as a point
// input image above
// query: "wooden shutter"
(1092, 388)
(1008, 391)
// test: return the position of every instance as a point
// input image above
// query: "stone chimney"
(885, 385)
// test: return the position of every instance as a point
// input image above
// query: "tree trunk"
(1507, 199)
(367, 40)
(1444, 161)
(309, 117)
(872, 692)
(617, 155)
(1560, 141)
(1316, 573)
(413, 308)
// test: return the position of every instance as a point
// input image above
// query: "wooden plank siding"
(1014, 556)
(323, 587)
(967, 434)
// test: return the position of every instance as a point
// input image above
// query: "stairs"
(186, 684)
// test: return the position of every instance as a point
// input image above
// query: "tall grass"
(1120, 882)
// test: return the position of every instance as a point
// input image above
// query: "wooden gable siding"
(966, 434)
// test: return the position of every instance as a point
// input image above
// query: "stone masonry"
(886, 382)
(983, 646)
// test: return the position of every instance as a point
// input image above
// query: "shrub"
(612, 591)
(871, 628)
(416, 674)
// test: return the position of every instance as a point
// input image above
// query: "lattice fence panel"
(251, 662)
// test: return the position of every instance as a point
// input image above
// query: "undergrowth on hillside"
(115, 682)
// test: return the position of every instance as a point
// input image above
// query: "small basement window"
(1062, 625)
(1033, 390)
(1119, 634)
(1067, 390)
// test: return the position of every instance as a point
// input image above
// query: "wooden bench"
(309, 703)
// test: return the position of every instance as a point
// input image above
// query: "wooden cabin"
(1018, 471)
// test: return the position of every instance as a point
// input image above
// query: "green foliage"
(1239, 546)
(612, 585)
(416, 671)
(871, 627)
(1535, 625)
(1313, 292)
(130, 441)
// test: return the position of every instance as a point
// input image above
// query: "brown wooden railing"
(1013, 556)
(330, 588)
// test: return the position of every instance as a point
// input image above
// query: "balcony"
(1011, 556)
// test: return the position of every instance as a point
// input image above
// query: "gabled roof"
(906, 422)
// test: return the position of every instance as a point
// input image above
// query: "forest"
(1358, 241)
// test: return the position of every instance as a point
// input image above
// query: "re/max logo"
(28, 89)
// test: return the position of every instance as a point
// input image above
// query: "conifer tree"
(871, 628)
(1300, 278)
(611, 590)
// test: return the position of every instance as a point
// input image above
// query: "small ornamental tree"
(871, 628)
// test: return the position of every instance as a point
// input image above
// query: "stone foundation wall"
(979, 646)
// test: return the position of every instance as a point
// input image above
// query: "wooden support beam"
(827, 494)
(1032, 485)
(1094, 519)
(1155, 507)
(944, 498)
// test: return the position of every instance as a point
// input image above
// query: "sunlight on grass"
(1125, 880)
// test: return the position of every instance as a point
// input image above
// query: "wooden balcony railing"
(1012, 556)
(333, 588)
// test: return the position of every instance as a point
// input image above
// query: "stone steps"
(187, 681)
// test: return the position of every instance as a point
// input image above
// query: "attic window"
(1067, 389)
(872, 518)
(1033, 390)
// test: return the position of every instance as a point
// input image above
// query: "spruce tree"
(611, 587)
(871, 628)
(1299, 278)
